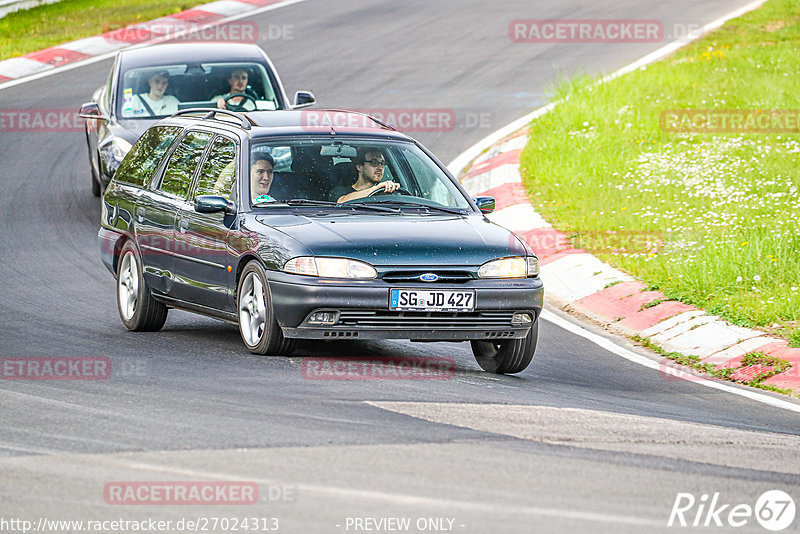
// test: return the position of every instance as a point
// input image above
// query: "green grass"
(48, 25)
(710, 220)
(771, 365)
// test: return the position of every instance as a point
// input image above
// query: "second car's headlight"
(519, 267)
(119, 148)
(330, 268)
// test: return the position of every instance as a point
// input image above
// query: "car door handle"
(140, 213)
(183, 224)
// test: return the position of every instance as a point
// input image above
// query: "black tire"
(506, 357)
(257, 325)
(95, 177)
(139, 311)
(96, 187)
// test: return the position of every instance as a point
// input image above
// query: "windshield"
(161, 90)
(349, 172)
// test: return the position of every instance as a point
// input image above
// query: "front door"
(201, 252)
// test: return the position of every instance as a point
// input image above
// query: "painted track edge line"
(631, 356)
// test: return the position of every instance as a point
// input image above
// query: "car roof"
(190, 52)
(260, 124)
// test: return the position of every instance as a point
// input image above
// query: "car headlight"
(518, 267)
(330, 268)
(120, 147)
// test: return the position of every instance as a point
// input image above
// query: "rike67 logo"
(774, 510)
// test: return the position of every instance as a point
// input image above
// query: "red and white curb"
(169, 27)
(579, 280)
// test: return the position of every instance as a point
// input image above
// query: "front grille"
(445, 277)
(417, 320)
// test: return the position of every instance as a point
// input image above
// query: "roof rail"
(388, 127)
(211, 113)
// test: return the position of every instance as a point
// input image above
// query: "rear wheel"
(138, 309)
(507, 357)
(257, 325)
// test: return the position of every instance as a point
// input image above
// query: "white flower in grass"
(738, 278)
(757, 278)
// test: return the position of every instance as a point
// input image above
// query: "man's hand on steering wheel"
(240, 106)
(388, 188)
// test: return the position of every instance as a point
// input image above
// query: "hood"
(400, 240)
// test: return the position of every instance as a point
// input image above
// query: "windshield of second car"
(349, 172)
(161, 90)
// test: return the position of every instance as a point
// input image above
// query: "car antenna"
(330, 122)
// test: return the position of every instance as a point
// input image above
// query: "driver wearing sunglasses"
(370, 165)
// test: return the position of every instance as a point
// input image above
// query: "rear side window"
(218, 173)
(146, 154)
(183, 162)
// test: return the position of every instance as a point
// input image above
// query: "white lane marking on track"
(398, 498)
(107, 55)
(631, 356)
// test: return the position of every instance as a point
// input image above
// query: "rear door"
(157, 209)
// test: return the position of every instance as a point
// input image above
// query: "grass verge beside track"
(29, 30)
(709, 219)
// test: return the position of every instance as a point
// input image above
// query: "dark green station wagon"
(316, 224)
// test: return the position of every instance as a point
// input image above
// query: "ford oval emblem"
(428, 277)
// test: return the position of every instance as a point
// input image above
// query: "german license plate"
(431, 300)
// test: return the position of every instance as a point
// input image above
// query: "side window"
(146, 154)
(182, 164)
(218, 173)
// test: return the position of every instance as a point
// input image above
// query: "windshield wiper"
(328, 203)
(454, 211)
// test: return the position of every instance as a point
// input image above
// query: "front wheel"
(257, 325)
(507, 357)
(138, 309)
(95, 177)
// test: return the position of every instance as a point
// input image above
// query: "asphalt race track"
(582, 441)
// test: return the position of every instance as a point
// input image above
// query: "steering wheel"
(240, 105)
(382, 191)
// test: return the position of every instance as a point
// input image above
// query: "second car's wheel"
(95, 177)
(507, 357)
(138, 309)
(257, 325)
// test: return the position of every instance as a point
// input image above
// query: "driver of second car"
(370, 164)
(261, 176)
(238, 83)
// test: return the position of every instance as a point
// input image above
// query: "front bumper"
(363, 309)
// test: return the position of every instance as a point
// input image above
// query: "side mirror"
(91, 110)
(303, 99)
(213, 204)
(485, 204)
